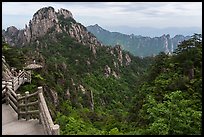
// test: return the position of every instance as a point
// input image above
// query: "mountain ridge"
(153, 31)
(137, 44)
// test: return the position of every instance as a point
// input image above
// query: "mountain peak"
(49, 13)
(44, 12)
(65, 12)
(96, 25)
(96, 28)
(48, 21)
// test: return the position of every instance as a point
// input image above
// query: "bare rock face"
(88, 62)
(13, 31)
(80, 33)
(12, 35)
(93, 49)
(112, 52)
(107, 71)
(120, 54)
(82, 89)
(122, 59)
(66, 13)
(68, 94)
(167, 46)
(72, 82)
(115, 74)
(55, 97)
(91, 101)
(64, 66)
(43, 20)
(127, 59)
(115, 64)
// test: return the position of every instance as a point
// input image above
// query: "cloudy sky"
(111, 15)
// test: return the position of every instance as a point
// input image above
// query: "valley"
(94, 86)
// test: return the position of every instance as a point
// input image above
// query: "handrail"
(24, 103)
(19, 103)
(29, 95)
(10, 98)
(11, 91)
(3, 90)
(43, 112)
(22, 77)
(45, 116)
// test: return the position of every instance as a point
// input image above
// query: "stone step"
(12, 126)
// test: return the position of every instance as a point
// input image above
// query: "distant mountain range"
(155, 32)
(136, 44)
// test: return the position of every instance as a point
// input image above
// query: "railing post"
(40, 90)
(13, 84)
(18, 108)
(26, 104)
(6, 94)
(55, 130)
(18, 81)
(19, 77)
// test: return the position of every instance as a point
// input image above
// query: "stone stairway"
(10, 123)
(12, 126)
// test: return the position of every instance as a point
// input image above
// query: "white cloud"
(152, 14)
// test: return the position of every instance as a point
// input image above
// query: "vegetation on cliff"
(155, 95)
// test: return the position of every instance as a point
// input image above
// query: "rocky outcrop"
(166, 47)
(107, 71)
(93, 49)
(42, 21)
(72, 82)
(64, 66)
(82, 89)
(119, 54)
(88, 62)
(127, 59)
(79, 32)
(115, 64)
(65, 13)
(55, 97)
(115, 74)
(91, 101)
(67, 94)
(13, 36)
